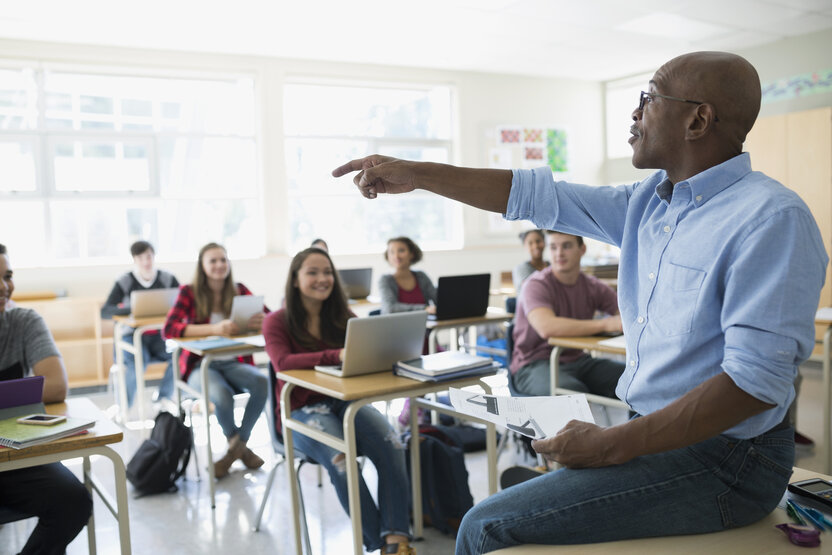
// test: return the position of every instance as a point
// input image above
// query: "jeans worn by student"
(153, 350)
(713, 485)
(587, 374)
(227, 378)
(376, 440)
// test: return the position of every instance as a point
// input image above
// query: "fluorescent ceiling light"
(672, 26)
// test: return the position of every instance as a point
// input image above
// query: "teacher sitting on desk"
(720, 275)
(50, 492)
(310, 331)
(204, 308)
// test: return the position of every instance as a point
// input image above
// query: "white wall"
(484, 101)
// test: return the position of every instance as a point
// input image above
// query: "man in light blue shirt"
(720, 275)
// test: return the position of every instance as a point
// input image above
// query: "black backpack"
(162, 459)
(446, 496)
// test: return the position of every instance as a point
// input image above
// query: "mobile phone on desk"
(41, 419)
(816, 489)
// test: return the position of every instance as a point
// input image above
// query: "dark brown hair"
(524, 234)
(334, 310)
(202, 293)
(140, 247)
(415, 251)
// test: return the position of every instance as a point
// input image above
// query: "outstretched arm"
(481, 188)
(707, 410)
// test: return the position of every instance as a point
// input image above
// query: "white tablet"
(243, 307)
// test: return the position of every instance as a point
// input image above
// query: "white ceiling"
(585, 39)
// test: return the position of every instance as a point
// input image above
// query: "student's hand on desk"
(430, 309)
(580, 445)
(226, 327)
(341, 355)
(379, 174)
(255, 323)
(613, 324)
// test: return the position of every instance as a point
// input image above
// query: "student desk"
(492, 316)
(827, 389)
(139, 327)
(207, 355)
(587, 343)
(94, 442)
(361, 391)
(759, 538)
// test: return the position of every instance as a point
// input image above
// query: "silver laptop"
(375, 343)
(152, 302)
(356, 282)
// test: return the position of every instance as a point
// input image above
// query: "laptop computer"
(356, 282)
(152, 302)
(461, 296)
(375, 343)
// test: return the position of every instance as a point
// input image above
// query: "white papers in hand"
(243, 307)
(535, 417)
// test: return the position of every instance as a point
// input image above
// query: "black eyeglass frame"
(645, 94)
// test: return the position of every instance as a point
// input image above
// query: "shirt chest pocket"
(677, 290)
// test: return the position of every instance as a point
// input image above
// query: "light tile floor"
(183, 522)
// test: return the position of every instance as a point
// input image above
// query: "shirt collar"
(709, 183)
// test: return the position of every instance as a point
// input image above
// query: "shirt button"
(667, 229)
(652, 275)
(640, 319)
(632, 363)
(698, 198)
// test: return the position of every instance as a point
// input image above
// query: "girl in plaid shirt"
(203, 308)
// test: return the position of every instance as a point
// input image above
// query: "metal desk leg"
(351, 458)
(416, 471)
(138, 359)
(91, 523)
(203, 367)
(827, 389)
(118, 332)
(289, 448)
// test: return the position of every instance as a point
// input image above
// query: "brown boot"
(235, 451)
(250, 459)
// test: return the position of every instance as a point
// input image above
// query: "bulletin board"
(531, 147)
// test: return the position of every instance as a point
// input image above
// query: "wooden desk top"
(129, 320)
(359, 387)
(587, 342)
(761, 537)
(241, 348)
(104, 432)
(490, 317)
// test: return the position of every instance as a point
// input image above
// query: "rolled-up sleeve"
(771, 296)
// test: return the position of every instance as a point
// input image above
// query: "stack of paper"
(18, 436)
(444, 366)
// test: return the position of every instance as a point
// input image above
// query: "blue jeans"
(153, 350)
(707, 487)
(376, 440)
(227, 378)
(587, 374)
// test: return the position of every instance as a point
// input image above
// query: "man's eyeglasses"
(648, 95)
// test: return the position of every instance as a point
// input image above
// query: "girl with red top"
(405, 289)
(310, 331)
(203, 308)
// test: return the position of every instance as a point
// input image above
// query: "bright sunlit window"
(92, 162)
(621, 99)
(329, 124)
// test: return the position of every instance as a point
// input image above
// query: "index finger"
(351, 166)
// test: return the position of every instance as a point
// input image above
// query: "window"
(621, 99)
(329, 124)
(93, 162)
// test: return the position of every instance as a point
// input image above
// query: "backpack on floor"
(162, 459)
(445, 493)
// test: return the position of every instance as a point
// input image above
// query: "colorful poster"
(508, 135)
(534, 135)
(556, 153)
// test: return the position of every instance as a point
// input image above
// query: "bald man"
(720, 275)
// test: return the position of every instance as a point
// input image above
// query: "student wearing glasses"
(720, 275)
(204, 308)
(51, 492)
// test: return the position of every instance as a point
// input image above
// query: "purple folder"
(23, 392)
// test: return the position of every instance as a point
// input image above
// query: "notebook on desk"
(152, 302)
(375, 343)
(461, 296)
(356, 282)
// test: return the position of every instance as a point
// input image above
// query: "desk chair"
(300, 460)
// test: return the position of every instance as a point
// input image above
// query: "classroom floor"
(183, 522)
